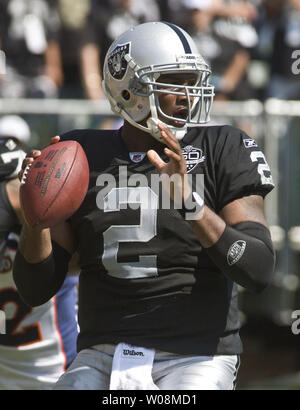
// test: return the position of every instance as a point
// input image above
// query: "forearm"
(38, 282)
(35, 244)
(235, 72)
(237, 9)
(90, 71)
(208, 228)
(53, 65)
(40, 266)
(243, 252)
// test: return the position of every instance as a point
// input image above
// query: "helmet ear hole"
(126, 95)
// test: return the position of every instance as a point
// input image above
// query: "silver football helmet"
(132, 69)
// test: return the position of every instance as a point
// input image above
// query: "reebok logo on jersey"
(193, 156)
(249, 143)
(132, 353)
(235, 252)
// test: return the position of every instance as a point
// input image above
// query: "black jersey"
(145, 278)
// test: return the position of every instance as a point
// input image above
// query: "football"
(54, 185)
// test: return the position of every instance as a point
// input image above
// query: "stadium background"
(77, 31)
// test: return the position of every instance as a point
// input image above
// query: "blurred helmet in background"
(13, 126)
(14, 131)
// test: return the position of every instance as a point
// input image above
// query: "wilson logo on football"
(193, 156)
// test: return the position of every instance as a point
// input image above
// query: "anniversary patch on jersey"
(193, 156)
(235, 252)
(117, 64)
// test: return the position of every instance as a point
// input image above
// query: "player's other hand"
(176, 163)
(33, 154)
(174, 172)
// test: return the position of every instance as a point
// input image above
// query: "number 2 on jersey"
(144, 232)
(16, 334)
(263, 168)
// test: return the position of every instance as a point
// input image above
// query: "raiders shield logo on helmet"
(117, 64)
(193, 156)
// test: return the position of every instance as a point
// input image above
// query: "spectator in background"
(40, 343)
(235, 21)
(171, 10)
(80, 56)
(234, 9)
(28, 38)
(278, 27)
(129, 13)
(228, 58)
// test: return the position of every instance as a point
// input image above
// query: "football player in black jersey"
(158, 285)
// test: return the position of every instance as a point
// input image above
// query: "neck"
(137, 140)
